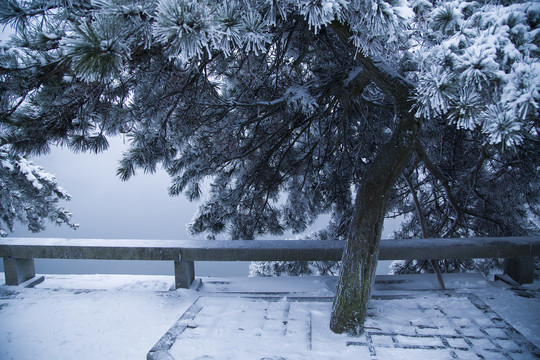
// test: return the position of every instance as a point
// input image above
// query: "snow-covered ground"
(123, 317)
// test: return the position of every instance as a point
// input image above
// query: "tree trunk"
(359, 259)
(360, 256)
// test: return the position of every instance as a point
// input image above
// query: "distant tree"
(292, 108)
(29, 195)
(301, 268)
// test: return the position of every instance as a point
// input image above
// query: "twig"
(371, 328)
(433, 262)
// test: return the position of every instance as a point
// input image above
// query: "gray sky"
(106, 207)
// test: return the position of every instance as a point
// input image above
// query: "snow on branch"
(484, 71)
(29, 195)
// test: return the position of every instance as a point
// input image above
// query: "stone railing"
(19, 253)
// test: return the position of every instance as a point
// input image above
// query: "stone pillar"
(184, 274)
(520, 269)
(18, 271)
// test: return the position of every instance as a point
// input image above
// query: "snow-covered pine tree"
(29, 195)
(467, 184)
(291, 108)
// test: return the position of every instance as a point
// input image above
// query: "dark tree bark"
(359, 259)
(360, 256)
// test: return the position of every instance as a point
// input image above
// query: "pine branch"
(460, 211)
(381, 73)
(425, 234)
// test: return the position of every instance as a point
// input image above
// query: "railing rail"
(18, 253)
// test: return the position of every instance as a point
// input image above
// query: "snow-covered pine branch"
(484, 71)
(29, 195)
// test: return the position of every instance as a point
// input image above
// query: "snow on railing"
(19, 253)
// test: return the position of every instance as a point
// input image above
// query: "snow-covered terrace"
(128, 317)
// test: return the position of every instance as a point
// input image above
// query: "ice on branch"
(299, 98)
(447, 18)
(96, 49)
(320, 13)
(229, 27)
(255, 35)
(378, 24)
(486, 71)
(466, 110)
(435, 92)
(183, 26)
(501, 127)
(522, 93)
(29, 195)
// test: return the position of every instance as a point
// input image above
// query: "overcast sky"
(106, 207)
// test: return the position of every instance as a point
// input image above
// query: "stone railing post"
(520, 269)
(184, 274)
(18, 271)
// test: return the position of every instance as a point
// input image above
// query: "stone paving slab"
(430, 325)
